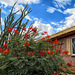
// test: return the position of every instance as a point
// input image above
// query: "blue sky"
(49, 15)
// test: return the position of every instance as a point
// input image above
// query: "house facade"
(67, 36)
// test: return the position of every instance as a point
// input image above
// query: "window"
(73, 45)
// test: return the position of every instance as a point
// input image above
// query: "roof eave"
(63, 33)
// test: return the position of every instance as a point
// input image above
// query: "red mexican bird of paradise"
(33, 29)
(27, 35)
(26, 44)
(6, 51)
(66, 52)
(10, 29)
(51, 52)
(5, 45)
(24, 29)
(1, 50)
(16, 31)
(69, 64)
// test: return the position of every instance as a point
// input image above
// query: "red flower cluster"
(31, 53)
(46, 45)
(66, 52)
(6, 51)
(33, 29)
(8, 41)
(27, 35)
(52, 45)
(44, 33)
(51, 52)
(56, 42)
(5, 45)
(69, 64)
(30, 27)
(10, 29)
(42, 52)
(47, 36)
(26, 44)
(55, 73)
(16, 31)
(57, 49)
(43, 38)
(24, 29)
(48, 39)
(48, 52)
(1, 50)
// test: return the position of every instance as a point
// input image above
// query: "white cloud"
(60, 28)
(59, 10)
(3, 11)
(62, 3)
(18, 7)
(11, 2)
(43, 27)
(19, 3)
(37, 19)
(69, 21)
(27, 17)
(2, 22)
(54, 23)
(61, 21)
(29, 1)
(52, 10)
(70, 11)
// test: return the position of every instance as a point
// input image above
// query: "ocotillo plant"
(17, 23)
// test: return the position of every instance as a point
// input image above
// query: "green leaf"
(32, 47)
(17, 62)
(12, 58)
(21, 65)
(2, 57)
(3, 66)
